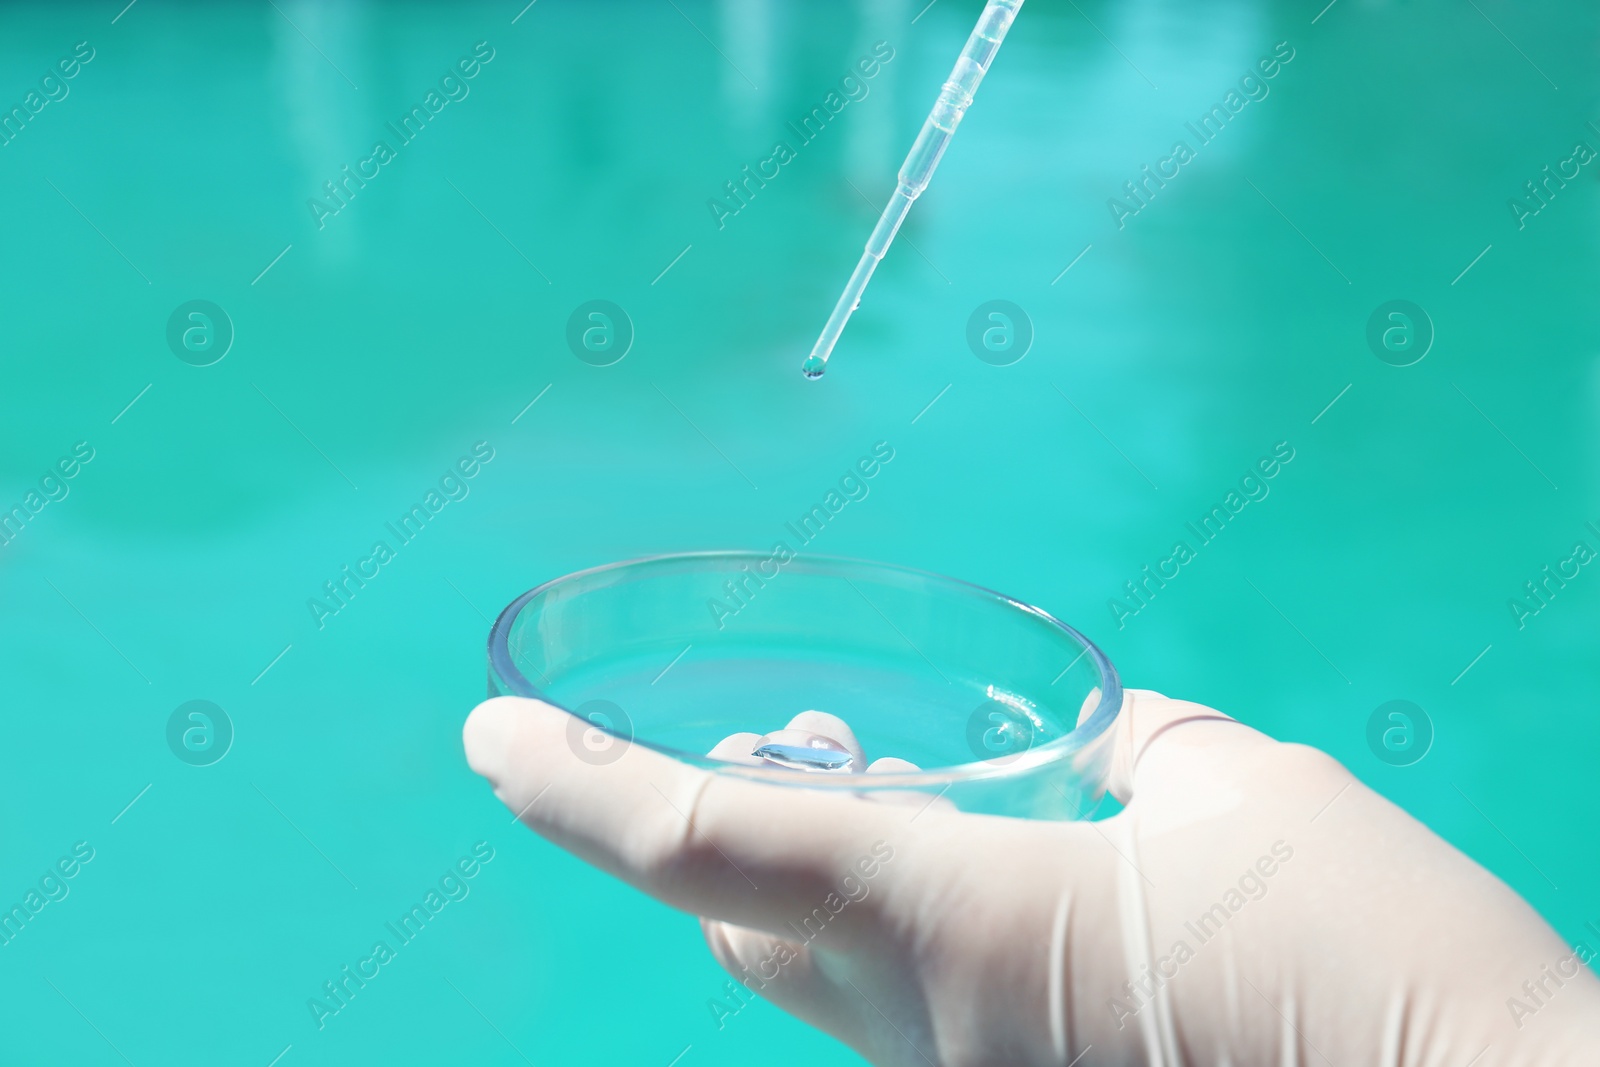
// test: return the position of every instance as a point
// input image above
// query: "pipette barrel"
(954, 98)
(956, 95)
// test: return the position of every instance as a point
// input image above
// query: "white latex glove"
(1253, 905)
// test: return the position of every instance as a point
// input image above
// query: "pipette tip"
(813, 367)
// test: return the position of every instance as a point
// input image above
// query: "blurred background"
(351, 349)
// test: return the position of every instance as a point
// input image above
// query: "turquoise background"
(425, 316)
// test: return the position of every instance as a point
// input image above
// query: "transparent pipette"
(954, 99)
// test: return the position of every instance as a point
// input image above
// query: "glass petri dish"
(1004, 709)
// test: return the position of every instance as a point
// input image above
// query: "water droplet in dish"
(801, 750)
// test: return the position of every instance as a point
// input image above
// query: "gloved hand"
(1252, 905)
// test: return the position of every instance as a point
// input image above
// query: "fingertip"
(1090, 705)
(909, 797)
(1148, 721)
(486, 734)
(834, 728)
(736, 748)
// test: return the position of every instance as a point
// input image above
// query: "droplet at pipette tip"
(954, 99)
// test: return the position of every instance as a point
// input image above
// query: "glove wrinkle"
(1232, 1034)
(1060, 980)
(1391, 1053)
(1289, 1033)
(1133, 912)
(688, 827)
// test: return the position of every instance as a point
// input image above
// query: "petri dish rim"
(503, 667)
